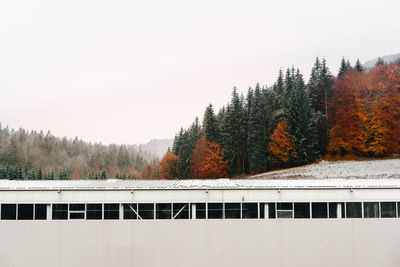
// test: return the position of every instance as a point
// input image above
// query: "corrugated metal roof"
(197, 184)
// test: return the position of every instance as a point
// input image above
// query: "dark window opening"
(334, 209)
(40, 211)
(353, 210)
(181, 211)
(215, 211)
(271, 211)
(130, 211)
(60, 211)
(200, 210)
(388, 209)
(163, 211)
(76, 211)
(232, 210)
(249, 210)
(25, 211)
(371, 209)
(319, 210)
(111, 211)
(8, 211)
(94, 211)
(146, 211)
(262, 210)
(301, 210)
(284, 210)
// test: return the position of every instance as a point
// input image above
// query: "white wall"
(283, 243)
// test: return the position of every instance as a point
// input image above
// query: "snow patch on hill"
(388, 168)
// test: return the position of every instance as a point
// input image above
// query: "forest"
(355, 114)
(37, 156)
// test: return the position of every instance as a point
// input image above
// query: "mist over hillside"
(387, 59)
(157, 147)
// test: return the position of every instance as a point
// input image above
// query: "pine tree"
(358, 66)
(257, 147)
(39, 174)
(380, 61)
(234, 135)
(344, 66)
(210, 125)
(301, 120)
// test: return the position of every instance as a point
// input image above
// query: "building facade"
(288, 223)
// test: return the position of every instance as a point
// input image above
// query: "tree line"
(291, 123)
(35, 155)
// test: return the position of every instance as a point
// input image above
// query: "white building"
(275, 222)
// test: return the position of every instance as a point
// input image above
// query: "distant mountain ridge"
(387, 59)
(157, 147)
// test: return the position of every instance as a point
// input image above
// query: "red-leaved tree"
(168, 166)
(208, 161)
(282, 145)
(365, 117)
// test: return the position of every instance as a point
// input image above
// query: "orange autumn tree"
(208, 161)
(282, 145)
(366, 121)
(168, 166)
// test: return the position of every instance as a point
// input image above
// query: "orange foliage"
(282, 145)
(169, 166)
(366, 117)
(152, 170)
(207, 161)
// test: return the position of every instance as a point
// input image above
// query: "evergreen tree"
(344, 66)
(303, 128)
(39, 174)
(380, 61)
(234, 135)
(256, 143)
(210, 125)
(358, 66)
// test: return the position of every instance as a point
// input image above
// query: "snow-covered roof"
(224, 184)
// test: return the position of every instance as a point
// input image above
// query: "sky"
(131, 71)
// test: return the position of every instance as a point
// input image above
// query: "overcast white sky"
(130, 71)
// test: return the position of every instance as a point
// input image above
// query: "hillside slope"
(386, 168)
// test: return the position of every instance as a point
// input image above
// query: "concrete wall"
(250, 243)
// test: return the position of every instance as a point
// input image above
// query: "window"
(130, 211)
(214, 210)
(301, 210)
(111, 211)
(319, 210)
(180, 211)
(232, 210)
(336, 210)
(371, 209)
(200, 210)
(249, 210)
(94, 211)
(271, 211)
(40, 211)
(353, 210)
(388, 209)
(163, 211)
(284, 210)
(77, 211)
(8, 211)
(25, 211)
(60, 211)
(146, 211)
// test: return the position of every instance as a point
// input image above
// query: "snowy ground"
(388, 168)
